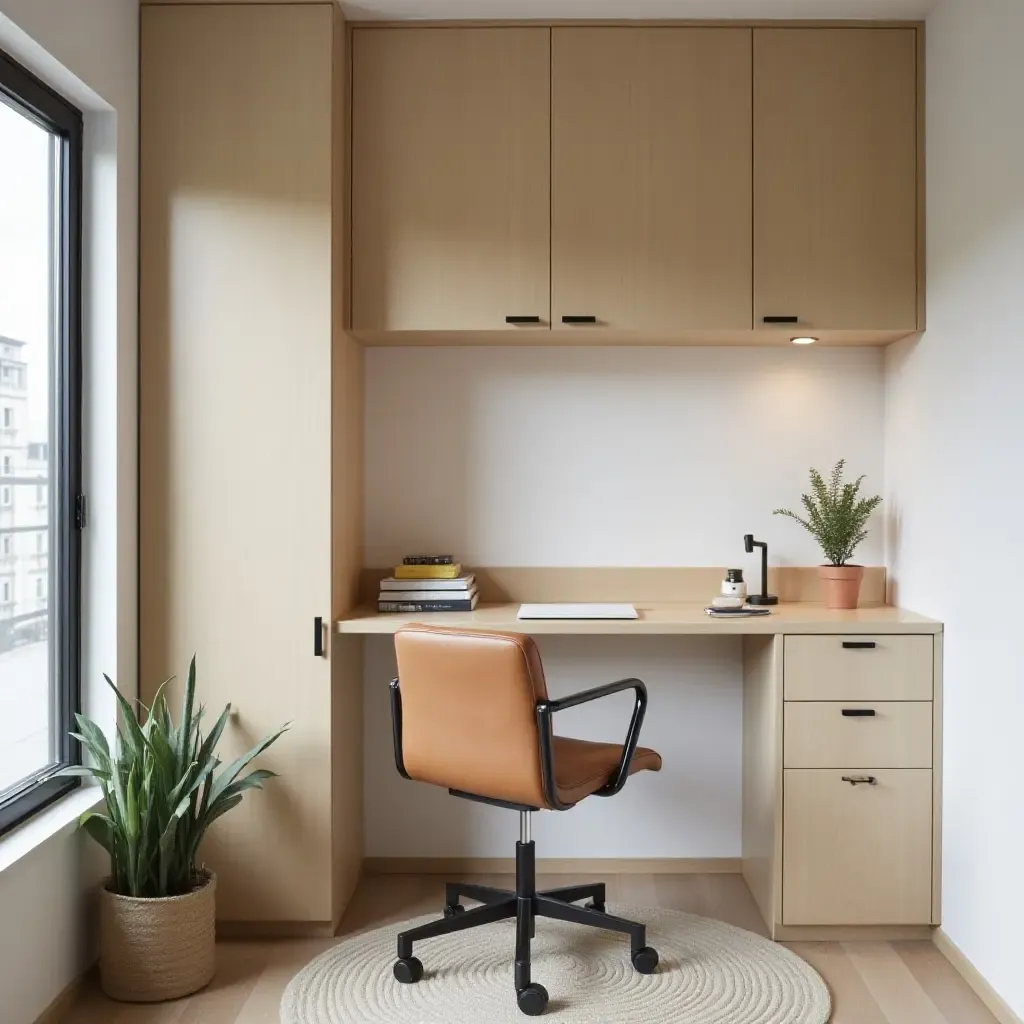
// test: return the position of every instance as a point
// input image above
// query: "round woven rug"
(710, 973)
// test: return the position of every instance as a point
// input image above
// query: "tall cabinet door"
(835, 177)
(235, 414)
(450, 190)
(651, 186)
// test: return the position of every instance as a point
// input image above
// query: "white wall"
(604, 456)
(89, 52)
(954, 447)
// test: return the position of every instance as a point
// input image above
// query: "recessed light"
(803, 341)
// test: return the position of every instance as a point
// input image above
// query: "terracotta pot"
(840, 585)
(157, 949)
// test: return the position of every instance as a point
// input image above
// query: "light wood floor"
(871, 982)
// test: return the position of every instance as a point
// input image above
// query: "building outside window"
(40, 399)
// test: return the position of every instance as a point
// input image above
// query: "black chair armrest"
(396, 726)
(547, 708)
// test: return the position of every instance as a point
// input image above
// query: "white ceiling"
(550, 10)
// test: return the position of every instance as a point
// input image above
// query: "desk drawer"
(858, 668)
(845, 734)
(857, 854)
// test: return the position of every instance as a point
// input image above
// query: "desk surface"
(656, 618)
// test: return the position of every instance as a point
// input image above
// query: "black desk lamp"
(764, 597)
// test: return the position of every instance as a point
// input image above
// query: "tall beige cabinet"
(248, 527)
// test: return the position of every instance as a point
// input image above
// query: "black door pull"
(858, 780)
(858, 712)
(859, 645)
(579, 319)
(781, 319)
(318, 637)
(522, 319)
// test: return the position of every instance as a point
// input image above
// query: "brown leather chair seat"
(582, 767)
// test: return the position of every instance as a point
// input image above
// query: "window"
(40, 543)
(40, 280)
(5, 544)
(7, 465)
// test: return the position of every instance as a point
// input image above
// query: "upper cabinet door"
(835, 177)
(651, 178)
(450, 147)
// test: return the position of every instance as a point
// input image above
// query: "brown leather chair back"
(468, 711)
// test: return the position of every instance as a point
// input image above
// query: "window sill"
(47, 823)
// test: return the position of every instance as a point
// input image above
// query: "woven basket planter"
(157, 949)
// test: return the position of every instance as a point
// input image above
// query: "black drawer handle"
(781, 319)
(858, 712)
(522, 319)
(579, 319)
(859, 645)
(858, 780)
(318, 637)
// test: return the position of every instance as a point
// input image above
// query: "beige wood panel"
(937, 704)
(461, 866)
(235, 408)
(857, 854)
(450, 147)
(606, 336)
(653, 619)
(671, 584)
(651, 178)
(897, 735)
(251, 977)
(762, 773)
(895, 668)
(345, 653)
(835, 177)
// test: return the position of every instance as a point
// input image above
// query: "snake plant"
(163, 788)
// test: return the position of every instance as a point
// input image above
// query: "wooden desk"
(658, 618)
(824, 858)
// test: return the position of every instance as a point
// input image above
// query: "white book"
(464, 582)
(576, 611)
(427, 595)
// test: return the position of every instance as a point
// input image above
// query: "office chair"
(470, 712)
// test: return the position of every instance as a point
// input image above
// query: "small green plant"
(162, 791)
(835, 516)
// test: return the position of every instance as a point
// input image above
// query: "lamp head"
(748, 543)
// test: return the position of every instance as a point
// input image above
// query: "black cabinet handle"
(318, 637)
(859, 645)
(858, 713)
(522, 319)
(579, 319)
(857, 780)
(781, 319)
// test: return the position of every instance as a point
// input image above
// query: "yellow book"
(427, 572)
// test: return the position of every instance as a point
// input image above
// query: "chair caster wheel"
(453, 909)
(645, 961)
(408, 970)
(595, 905)
(533, 1000)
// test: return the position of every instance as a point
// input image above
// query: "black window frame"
(29, 96)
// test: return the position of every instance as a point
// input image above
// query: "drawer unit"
(857, 854)
(858, 668)
(846, 734)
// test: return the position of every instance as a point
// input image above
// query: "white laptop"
(576, 611)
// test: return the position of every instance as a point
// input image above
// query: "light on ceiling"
(803, 341)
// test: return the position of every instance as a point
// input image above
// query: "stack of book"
(428, 583)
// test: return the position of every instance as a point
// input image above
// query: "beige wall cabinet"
(651, 178)
(242, 146)
(450, 163)
(676, 184)
(836, 178)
